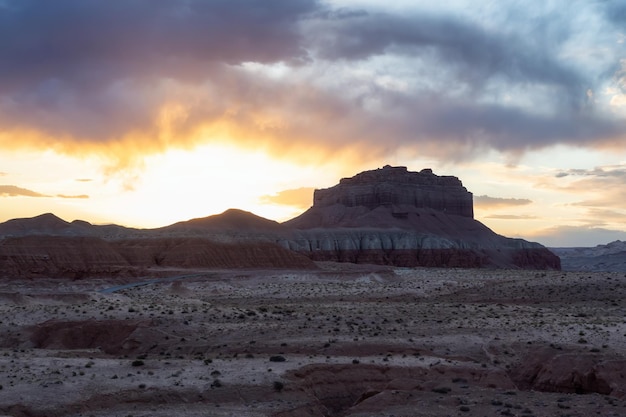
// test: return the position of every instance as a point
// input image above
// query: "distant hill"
(51, 225)
(609, 257)
(232, 220)
(44, 224)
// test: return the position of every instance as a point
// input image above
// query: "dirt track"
(344, 340)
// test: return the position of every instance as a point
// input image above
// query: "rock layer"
(397, 185)
(59, 256)
(80, 257)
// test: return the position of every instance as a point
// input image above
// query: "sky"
(148, 112)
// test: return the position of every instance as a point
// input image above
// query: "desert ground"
(340, 340)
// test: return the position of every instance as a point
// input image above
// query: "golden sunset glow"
(145, 127)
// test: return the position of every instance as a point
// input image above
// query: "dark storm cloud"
(88, 40)
(616, 11)
(93, 71)
(475, 53)
(89, 68)
(508, 128)
(477, 60)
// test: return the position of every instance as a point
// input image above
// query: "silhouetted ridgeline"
(387, 216)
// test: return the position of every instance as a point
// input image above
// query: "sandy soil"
(346, 340)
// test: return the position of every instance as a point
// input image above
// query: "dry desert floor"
(343, 340)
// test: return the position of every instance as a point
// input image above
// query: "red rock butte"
(397, 185)
(393, 216)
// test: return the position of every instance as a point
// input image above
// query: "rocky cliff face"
(408, 248)
(395, 217)
(398, 186)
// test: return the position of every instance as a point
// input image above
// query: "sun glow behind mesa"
(164, 188)
(210, 179)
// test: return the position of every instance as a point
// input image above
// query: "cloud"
(474, 52)
(602, 216)
(298, 197)
(510, 217)
(618, 171)
(81, 196)
(602, 190)
(117, 77)
(486, 202)
(301, 78)
(121, 40)
(14, 191)
(616, 11)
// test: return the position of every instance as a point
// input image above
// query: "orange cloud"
(81, 196)
(14, 191)
(510, 217)
(299, 198)
(486, 202)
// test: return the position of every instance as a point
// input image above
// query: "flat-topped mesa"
(398, 186)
